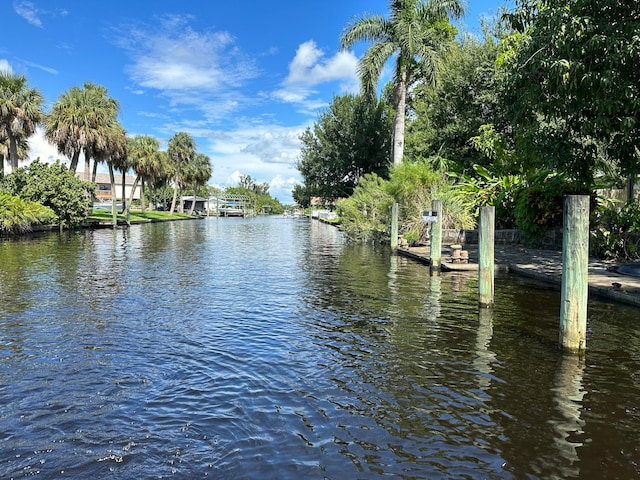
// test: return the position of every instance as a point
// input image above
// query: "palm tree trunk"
(87, 164)
(175, 196)
(125, 207)
(398, 123)
(193, 201)
(142, 199)
(13, 152)
(114, 213)
(133, 190)
(74, 161)
(94, 172)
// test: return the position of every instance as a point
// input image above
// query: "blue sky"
(244, 79)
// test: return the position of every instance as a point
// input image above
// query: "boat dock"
(544, 265)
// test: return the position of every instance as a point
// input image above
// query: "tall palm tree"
(22, 145)
(413, 35)
(145, 159)
(20, 112)
(181, 151)
(199, 174)
(112, 150)
(79, 122)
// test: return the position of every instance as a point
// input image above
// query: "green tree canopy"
(446, 116)
(350, 139)
(415, 34)
(182, 150)
(53, 186)
(573, 86)
(20, 113)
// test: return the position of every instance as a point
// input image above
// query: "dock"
(542, 265)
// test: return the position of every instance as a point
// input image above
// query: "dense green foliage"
(53, 186)
(366, 214)
(445, 116)
(20, 113)
(617, 232)
(573, 84)
(351, 138)
(18, 215)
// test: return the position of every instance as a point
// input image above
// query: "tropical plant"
(20, 112)
(53, 186)
(197, 172)
(80, 122)
(415, 34)
(415, 186)
(349, 139)
(365, 215)
(181, 151)
(145, 159)
(18, 215)
(617, 232)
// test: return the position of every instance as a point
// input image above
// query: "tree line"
(544, 102)
(84, 120)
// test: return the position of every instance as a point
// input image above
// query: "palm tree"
(79, 122)
(20, 112)
(22, 146)
(112, 150)
(181, 151)
(199, 174)
(145, 159)
(414, 35)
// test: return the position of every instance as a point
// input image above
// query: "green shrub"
(616, 232)
(365, 215)
(53, 186)
(19, 216)
(539, 204)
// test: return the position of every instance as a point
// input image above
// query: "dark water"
(268, 348)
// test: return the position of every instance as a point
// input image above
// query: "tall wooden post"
(435, 250)
(486, 263)
(114, 211)
(394, 226)
(575, 274)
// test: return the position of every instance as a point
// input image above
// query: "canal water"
(271, 348)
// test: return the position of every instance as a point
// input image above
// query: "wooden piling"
(394, 226)
(575, 274)
(486, 265)
(436, 237)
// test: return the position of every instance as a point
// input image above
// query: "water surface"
(270, 348)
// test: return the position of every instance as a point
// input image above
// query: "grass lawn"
(136, 215)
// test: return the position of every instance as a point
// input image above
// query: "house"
(103, 186)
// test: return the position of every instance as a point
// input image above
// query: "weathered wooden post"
(486, 264)
(114, 211)
(575, 274)
(435, 249)
(394, 226)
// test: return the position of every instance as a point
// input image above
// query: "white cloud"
(5, 66)
(39, 147)
(29, 12)
(267, 153)
(175, 58)
(310, 68)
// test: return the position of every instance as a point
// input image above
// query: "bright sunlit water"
(270, 348)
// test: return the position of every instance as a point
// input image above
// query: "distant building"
(103, 186)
